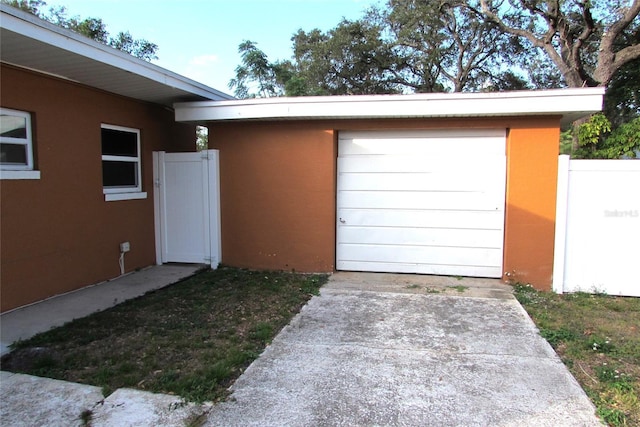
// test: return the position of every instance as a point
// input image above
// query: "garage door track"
(405, 350)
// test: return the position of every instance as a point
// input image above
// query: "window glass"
(13, 154)
(119, 143)
(119, 174)
(16, 149)
(13, 126)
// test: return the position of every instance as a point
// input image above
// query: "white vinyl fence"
(597, 246)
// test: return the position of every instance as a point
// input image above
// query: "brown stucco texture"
(277, 195)
(278, 191)
(58, 232)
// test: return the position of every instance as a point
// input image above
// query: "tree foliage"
(29, 6)
(622, 102)
(597, 140)
(93, 28)
(409, 46)
(444, 45)
(589, 133)
(624, 141)
(139, 48)
(202, 138)
(350, 59)
(256, 76)
(466, 45)
(587, 41)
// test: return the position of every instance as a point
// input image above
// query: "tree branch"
(625, 55)
(574, 47)
(608, 60)
(617, 28)
(486, 11)
(554, 19)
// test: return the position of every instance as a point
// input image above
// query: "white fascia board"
(569, 103)
(45, 32)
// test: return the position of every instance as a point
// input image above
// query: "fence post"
(215, 236)
(158, 172)
(562, 198)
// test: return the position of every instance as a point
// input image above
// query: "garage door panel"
(430, 134)
(467, 200)
(450, 180)
(432, 145)
(416, 146)
(422, 236)
(420, 218)
(445, 270)
(413, 163)
(421, 201)
(421, 254)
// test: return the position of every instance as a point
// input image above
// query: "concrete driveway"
(405, 350)
(371, 350)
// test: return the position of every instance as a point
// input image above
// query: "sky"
(199, 38)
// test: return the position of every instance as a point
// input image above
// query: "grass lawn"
(192, 339)
(598, 338)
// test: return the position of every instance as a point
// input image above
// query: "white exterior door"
(187, 207)
(428, 202)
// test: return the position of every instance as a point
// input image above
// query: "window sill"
(113, 197)
(7, 174)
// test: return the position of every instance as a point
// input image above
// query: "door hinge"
(156, 183)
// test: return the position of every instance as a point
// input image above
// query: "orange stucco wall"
(532, 175)
(278, 191)
(58, 233)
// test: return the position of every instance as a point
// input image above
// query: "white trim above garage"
(430, 202)
(569, 104)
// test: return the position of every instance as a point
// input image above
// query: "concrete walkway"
(372, 349)
(402, 350)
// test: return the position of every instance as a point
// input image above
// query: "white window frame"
(24, 171)
(124, 193)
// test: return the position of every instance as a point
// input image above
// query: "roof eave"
(36, 29)
(570, 104)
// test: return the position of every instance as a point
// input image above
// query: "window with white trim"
(16, 146)
(121, 163)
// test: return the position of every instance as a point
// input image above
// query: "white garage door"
(428, 202)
